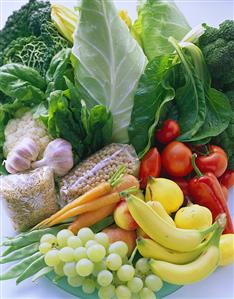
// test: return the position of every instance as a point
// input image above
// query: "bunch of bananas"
(178, 256)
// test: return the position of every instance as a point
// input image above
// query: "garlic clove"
(16, 163)
(28, 149)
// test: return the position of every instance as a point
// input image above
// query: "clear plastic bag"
(96, 169)
(29, 197)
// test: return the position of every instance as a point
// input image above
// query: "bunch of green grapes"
(90, 262)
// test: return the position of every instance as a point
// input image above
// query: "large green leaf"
(153, 92)
(159, 20)
(23, 83)
(110, 62)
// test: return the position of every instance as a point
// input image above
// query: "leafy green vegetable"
(60, 67)
(25, 22)
(110, 62)
(226, 139)
(217, 45)
(22, 83)
(157, 21)
(87, 130)
(35, 52)
(153, 92)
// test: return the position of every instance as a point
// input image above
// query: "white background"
(218, 285)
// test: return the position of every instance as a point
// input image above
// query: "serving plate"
(166, 290)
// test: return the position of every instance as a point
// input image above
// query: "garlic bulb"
(20, 158)
(58, 155)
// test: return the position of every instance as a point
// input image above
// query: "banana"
(151, 249)
(192, 272)
(158, 208)
(156, 228)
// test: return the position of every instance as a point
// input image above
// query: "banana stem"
(220, 223)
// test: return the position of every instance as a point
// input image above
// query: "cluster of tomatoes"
(201, 171)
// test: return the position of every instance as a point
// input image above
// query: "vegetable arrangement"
(84, 95)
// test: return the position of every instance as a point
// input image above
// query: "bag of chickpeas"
(96, 169)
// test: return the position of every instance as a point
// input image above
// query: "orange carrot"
(127, 182)
(101, 190)
(87, 207)
(89, 218)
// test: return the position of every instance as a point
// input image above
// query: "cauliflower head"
(25, 126)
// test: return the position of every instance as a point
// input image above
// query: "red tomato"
(176, 159)
(168, 132)
(150, 166)
(216, 161)
(227, 179)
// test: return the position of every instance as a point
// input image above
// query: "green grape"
(48, 238)
(45, 247)
(126, 272)
(67, 254)
(52, 258)
(70, 269)
(135, 296)
(96, 253)
(146, 293)
(113, 261)
(62, 237)
(153, 282)
(119, 247)
(116, 280)
(102, 239)
(76, 281)
(74, 242)
(85, 234)
(58, 269)
(84, 267)
(90, 243)
(88, 286)
(142, 265)
(123, 292)
(106, 292)
(104, 278)
(135, 284)
(80, 253)
(98, 267)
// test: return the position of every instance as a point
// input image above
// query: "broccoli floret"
(217, 46)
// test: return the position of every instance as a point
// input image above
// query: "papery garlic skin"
(58, 155)
(21, 156)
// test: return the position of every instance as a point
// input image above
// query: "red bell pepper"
(227, 179)
(225, 191)
(183, 184)
(215, 161)
(150, 166)
(170, 131)
(206, 191)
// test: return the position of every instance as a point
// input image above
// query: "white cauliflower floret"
(26, 126)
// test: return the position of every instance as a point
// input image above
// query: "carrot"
(89, 218)
(127, 182)
(101, 190)
(87, 207)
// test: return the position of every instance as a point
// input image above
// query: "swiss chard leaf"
(190, 98)
(153, 92)
(110, 62)
(217, 117)
(157, 21)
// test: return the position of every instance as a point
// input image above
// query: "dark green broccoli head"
(217, 46)
(24, 22)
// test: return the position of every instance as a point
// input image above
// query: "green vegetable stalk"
(65, 20)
